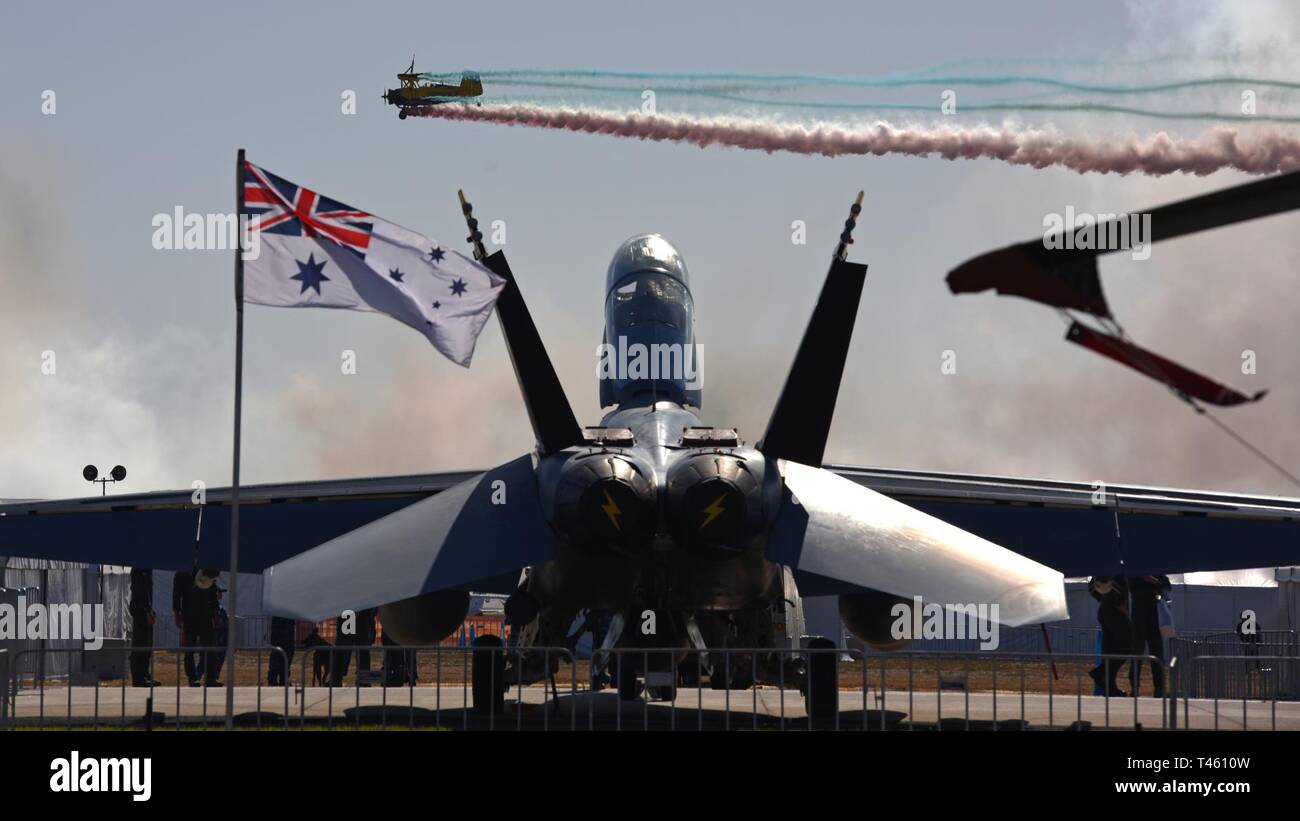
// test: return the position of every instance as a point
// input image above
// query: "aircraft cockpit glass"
(645, 253)
(650, 298)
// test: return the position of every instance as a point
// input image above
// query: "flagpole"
(234, 469)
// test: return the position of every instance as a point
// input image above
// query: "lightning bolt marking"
(714, 510)
(612, 511)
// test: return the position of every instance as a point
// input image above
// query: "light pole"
(90, 473)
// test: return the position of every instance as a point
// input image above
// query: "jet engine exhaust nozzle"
(715, 503)
(606, 501)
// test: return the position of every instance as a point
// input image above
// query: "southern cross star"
(310, 274)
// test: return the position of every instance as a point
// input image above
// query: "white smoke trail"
(1259, 151)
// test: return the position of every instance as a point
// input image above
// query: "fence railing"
(1010, 640)
(635, 688)
(50, 702)
(1036, 638)
(1227, 665)
(1248, 679)
(451, 691)
(547, 688)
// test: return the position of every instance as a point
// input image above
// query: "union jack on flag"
(292, 210)
(316, 252)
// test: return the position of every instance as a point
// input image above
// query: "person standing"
(142, 622)
(220, 632)
(182, 594)
(1144, 594)
(1111, 593)
(196, 616)
(1248, 633)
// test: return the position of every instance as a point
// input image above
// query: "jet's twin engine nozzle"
(607, 500)
(715, 502)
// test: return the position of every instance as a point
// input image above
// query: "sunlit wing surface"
(158, 529)
(477, 534)
(1057, 523)
(1083, 528)
(842, 537)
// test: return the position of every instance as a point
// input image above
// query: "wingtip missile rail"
(846, 236)
(475, 236)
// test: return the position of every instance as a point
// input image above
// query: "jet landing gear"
(821, 686)
(660, 680)
(629, 686)
(661, 677)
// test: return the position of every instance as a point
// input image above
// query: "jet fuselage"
(658, 511)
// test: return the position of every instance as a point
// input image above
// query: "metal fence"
(645, 689)
(251, 631)
(448, 700)
(1226, 665)
(11, 597)
(1270, 672)
(68, 658)
(619, 689)
(49, 703)
(1031, 639)
(547, 688)
(53, 665)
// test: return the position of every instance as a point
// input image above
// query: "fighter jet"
(654, 512)
(651, 511)
(414, 93)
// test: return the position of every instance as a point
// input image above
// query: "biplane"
(416, 92)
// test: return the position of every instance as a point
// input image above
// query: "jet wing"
(157, 530)
(323, 546)
(1058, 524)
(841, 537)
(1083, 529)
(477, 534)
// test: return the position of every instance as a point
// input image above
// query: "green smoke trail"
(783, 82)
(805, 95)
(759, 93)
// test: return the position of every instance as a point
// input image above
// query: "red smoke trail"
(1256, 152)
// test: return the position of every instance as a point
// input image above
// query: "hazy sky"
(153, 103)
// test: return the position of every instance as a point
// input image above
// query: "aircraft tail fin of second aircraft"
(552, 417)
(801, 420)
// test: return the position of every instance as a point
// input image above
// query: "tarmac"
(529, 708)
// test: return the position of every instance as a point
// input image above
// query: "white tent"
(1215, 600)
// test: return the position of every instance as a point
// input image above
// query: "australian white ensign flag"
(318, 252)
